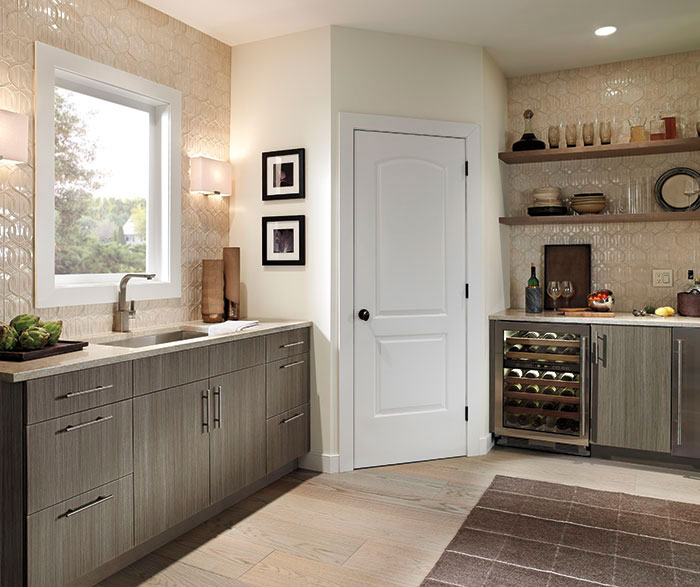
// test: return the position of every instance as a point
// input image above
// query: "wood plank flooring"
(373, 527)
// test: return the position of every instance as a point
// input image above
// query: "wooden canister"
(232, 282)
(689, 304)
(213, 290)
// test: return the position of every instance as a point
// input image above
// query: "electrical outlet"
(662, 278)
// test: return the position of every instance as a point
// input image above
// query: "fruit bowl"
(601, 301)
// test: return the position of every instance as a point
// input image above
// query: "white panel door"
(410, 307)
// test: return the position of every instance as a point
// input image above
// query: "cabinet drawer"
(287, 344)
(287, 437)
(51, 397)
(287, 384)
(237, 355)
(70, 455)
(70, 539)
(170, 370)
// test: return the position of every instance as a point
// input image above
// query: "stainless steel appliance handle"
(291, 344)
(86, 391)
(292, 418)
(291, 365)
(679, 395)
(217, 407)
(602, 344)
(205, 411)
(97, 420)
(87, 506)
(583, 385)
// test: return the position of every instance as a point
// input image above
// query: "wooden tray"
(61, 347)
(589, 314)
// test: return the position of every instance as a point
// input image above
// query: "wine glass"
(567, 292)
(554, 291)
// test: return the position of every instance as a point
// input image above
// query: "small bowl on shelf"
(588, 208)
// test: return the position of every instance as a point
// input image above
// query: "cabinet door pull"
(291, 365)
(86, 391)
(292, 418)
(602, 344)
(291, 344)
(679, 394)
(87, 506)
(97, 420)
(217, 407)
(205, 411)
(584, 384)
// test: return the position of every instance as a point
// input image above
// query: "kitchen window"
(108, 182)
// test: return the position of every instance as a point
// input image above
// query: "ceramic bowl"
(588, 208)
(601, 301)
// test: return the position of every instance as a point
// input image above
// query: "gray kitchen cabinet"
(171, 369)
(632, 387)
(237, 431)
(287, 384)
(171, 457)
(686, 393)
(287, 437)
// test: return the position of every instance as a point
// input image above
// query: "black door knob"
(363, 315)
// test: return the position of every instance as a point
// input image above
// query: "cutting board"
(571, 263)
(583, 313)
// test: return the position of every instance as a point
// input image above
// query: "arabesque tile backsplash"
(136, 38)
(623, 254)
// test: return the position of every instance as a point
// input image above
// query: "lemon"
(662, 312)
(671, 311)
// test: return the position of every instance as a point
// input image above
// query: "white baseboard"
(484, 447)
(323, 463)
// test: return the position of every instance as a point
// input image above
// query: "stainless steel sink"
(154, 339)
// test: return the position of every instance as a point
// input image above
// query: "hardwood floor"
(373, 527)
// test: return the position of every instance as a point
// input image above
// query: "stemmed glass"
(567, 292)
(554, 291)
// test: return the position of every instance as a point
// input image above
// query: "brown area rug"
(531, 533)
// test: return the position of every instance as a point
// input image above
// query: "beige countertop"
(97, 353)
(620, 319)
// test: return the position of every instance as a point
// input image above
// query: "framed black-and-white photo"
(283, 174)
(283, 240)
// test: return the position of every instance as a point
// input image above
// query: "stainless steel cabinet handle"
(679, 394)
(98, 420)
(583, 386)
(602, 344)
(292, 418)
(205, 411)
(86, 391)
(291, 344)
(87, 506)
(217, 407)
(291, 365)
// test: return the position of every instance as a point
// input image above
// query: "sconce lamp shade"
(14, 137)
(209, 176)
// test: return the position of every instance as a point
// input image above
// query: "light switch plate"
(662, 278)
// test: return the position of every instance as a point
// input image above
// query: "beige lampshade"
(209, 176)
(14, 137)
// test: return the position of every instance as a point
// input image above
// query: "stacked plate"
(593, 203)
(547, 202)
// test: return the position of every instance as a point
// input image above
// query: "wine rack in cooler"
(542, 391)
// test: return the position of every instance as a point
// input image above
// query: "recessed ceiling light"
(604, 31)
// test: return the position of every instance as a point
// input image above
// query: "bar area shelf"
(602, 151)
(601, 218)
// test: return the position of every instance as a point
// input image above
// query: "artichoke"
(8, 337)
(34, 338)
(54, 328)
(23, 321)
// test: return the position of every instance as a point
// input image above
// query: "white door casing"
(409, 273)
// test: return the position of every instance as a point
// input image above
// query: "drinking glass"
(571, 134)
(605, 132)
(567, 292)
(554, 291)
(588, 133)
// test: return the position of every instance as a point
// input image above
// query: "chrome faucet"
(124, 314)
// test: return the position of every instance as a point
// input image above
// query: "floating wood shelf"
(601, 218)
(602, 151)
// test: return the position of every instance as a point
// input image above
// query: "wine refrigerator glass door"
(541, 382)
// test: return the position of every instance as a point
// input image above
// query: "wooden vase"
(232, 283)
(213, 290)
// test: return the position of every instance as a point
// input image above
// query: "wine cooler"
(541, 385)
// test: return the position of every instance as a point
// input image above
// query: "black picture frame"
(293, 157)
(295, 259)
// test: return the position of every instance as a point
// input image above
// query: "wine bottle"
(550, 390)
(516, 387)
(567, 377)
(514, 373)
(569, 408)
(532, 405)
(550, 406)
(568, 392)
(549, 336)
(513, 402)
(532, 389)
(532, 374)
(549, 375)
(523, 419)
(569, 336)
(550, 422)
(531, 334)
(533, 281)
(516, 348)
(512, 418)
(537, 421)
(563, 424)
(575, 426)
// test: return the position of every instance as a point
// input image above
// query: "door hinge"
(466, 413)
(466, 168)
(466, 290)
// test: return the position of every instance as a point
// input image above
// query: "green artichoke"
(34, 338)
(54, 328)
(8, 337)
(23, 321)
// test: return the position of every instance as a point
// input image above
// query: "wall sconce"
(14, 137)
(210, 177)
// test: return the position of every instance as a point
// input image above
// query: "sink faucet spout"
(123, 314)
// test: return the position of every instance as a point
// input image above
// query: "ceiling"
(523, 36)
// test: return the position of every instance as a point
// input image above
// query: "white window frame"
(55, 67)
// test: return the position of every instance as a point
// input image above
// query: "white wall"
(280, 99)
